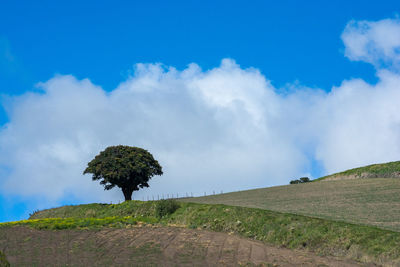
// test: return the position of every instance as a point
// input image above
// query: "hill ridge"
(377, 170)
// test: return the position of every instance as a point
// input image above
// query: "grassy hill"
(336, 197)
(324, 237)
(382, 170)
(356, 219)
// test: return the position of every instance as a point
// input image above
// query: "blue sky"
(297, 46)
(287, 40)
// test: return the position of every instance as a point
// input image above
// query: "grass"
(364, 243)
(3, 260)
(128, 208)
(81, 223)
(362, 201)
(383, 170)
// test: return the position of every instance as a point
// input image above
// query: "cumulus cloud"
(211, 130)
(376, 42)
(361, 123)
(226, 128)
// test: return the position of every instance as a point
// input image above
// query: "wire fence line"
(176, 196)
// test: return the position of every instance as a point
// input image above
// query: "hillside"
(382, 170)
(362, 201)
(149, 246)
(317, 236)
(334, 217)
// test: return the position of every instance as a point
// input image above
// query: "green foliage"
(304, 180)
(289, 230)
(3, 260)
(383, 170)
(166, 207)
(301, 180)
(128, 168)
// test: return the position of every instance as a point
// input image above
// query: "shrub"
(3, 260)
(33, 213)
(304, 180)
(301, 180)
(166, 207)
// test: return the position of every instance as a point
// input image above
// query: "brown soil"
(147, 246)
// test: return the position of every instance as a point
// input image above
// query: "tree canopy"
(129, 168)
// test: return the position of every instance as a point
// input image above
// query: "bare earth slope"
(372, 201)
(146, 246)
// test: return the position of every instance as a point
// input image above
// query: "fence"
(177, 196)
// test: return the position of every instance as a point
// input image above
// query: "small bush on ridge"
(301, 180)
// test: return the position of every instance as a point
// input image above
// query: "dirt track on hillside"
(146, 246)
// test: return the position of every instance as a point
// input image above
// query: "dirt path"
(146, 246)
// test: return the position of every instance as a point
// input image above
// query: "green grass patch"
(81, 223)
(128, 208)
(325, 237)
(3, 260)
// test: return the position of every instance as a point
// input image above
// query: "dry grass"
(381, 170)
(374, 201)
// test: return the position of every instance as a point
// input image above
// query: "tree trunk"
(127, 193)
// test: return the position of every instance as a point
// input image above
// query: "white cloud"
(223, 129)
(212, 130)
(376, 42)
(362, 123)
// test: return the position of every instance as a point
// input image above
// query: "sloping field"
(373, 201)
(147, 246)
(365, 244)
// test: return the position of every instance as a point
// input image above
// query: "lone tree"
(129, 168)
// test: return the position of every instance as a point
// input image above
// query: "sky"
(226, 95)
